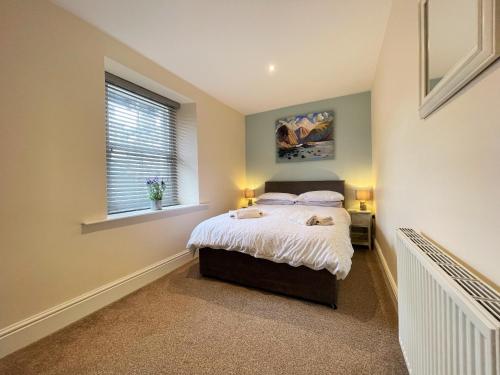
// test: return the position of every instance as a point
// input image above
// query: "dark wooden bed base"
(302, 282)
(318, 286)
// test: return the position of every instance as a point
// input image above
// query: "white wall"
(440, 175)
(53, 171)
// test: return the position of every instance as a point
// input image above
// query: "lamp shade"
(249, 193)
(363, 194)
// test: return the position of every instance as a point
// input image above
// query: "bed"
(236, 250)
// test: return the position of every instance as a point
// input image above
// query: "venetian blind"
(140, 143)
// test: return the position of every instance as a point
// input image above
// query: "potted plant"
(156, 188)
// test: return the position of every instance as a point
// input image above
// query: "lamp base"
(250, 202)
(362, 206)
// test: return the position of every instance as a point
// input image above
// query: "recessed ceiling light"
(271, 68)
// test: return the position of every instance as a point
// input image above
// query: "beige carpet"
(185, 324)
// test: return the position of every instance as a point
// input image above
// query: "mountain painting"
(305, 137)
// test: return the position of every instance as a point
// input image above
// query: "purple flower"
(152, 180)
(156, 188)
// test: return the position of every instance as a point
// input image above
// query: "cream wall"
(52, 147)
(440, 175)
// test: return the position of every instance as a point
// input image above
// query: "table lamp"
(249, 194)
(363, 195)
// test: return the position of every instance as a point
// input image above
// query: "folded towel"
(246, 213)
(307, 218)
(324, 220)
(311, 221)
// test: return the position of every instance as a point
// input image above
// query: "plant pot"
(156, 205)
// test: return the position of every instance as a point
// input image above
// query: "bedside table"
(361, 228)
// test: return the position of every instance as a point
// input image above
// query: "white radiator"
(449, 321)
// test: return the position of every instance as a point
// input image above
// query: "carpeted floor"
(185, 324)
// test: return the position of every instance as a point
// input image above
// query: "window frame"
(148, 95)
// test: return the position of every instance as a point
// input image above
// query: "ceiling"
(320, 48)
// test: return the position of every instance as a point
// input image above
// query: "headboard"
(299, 187)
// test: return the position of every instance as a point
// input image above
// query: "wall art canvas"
(305, 137)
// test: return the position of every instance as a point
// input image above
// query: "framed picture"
(305, 137)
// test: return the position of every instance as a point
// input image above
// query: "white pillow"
(321, 204)
(275, 202)
(320, 196)
(279, 197)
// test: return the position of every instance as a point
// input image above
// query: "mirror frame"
(487, 50)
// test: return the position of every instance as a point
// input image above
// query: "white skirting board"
(27, 331)
(388, 275)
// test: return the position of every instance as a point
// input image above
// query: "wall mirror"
(458, 40)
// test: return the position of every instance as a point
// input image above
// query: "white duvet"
(276, 237)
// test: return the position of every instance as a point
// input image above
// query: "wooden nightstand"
(361, 228)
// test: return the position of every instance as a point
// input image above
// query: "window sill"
(136, 217)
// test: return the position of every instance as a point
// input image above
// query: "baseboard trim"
(389, 279)
(29, 330)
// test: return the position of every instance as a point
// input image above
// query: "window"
(140, 143)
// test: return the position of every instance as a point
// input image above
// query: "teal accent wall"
(353, 150)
